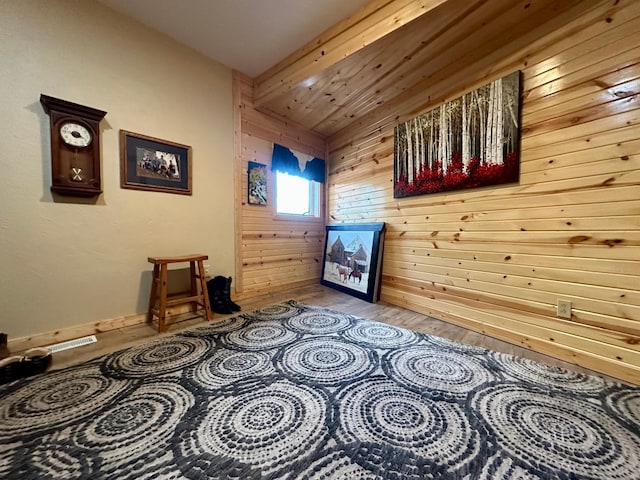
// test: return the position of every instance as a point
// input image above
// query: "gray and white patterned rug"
(301, 392)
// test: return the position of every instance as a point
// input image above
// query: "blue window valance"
(299, 164)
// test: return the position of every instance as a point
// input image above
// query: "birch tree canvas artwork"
(469, 142)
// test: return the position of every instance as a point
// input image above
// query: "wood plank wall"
(273, 253)
(496, 260)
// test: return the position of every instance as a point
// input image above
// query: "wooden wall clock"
(75, 147)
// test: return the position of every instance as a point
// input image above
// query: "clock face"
(75, 135)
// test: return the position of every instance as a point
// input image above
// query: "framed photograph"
(257, 184)
(353, 259)
(148, 163)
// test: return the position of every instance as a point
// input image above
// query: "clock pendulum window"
(75, 147)
(77, 137)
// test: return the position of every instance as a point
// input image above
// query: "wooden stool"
(158, 301)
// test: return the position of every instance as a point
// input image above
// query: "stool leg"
(203, 289)
(162, 311)
(153, 294)
(194, 285)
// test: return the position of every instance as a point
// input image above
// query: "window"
(297, 196)
(299, 177)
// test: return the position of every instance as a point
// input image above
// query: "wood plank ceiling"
(391, 49)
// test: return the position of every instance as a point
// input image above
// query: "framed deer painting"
(353, 259)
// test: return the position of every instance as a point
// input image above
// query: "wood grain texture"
(496, 260)
(373, 22)
(272, 252)
(399, 48)
(127, 336)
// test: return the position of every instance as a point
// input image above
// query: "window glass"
(296, 195)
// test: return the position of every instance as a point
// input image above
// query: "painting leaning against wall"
(472, 141)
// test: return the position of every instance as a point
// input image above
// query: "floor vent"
(78, 342)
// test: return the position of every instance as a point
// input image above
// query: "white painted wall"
(66, 262)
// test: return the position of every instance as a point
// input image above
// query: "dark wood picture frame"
(149, 163)
(353, 259)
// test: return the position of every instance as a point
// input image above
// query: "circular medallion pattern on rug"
(503, 467)
(353, 400)
(225, 367)
(57, 399)
(261, 335)
(319, 322)
(558, 377)
(379, 411)
(625, 404)
(217, 326)
(280, 311)
(557, 432)
(325, 361)
(336, 465)
(379, 335)
(138, 425)
(205, 466)
(51, 459)
(442, 373)
(268, 427)
(169, 354)
(455, 346)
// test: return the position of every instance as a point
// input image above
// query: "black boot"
(215, 288)
(227, 296)
(4, 351)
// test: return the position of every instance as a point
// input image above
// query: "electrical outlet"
(564, 309)
(207, 270)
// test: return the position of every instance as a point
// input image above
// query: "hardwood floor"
(118, 339)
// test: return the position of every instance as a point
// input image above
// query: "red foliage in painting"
(455, 165)
(457, 177)
(474, 163)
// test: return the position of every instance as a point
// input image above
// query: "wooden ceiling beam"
(374, 21)
(438, 86)
(403, 55)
